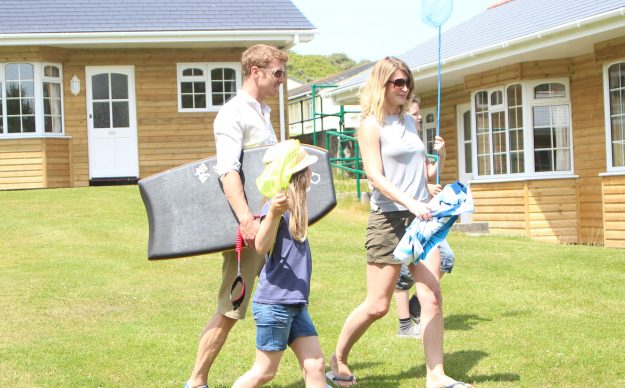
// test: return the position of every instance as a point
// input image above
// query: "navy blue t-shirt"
(285, 278)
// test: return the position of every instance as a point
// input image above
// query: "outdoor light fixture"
(74, 85)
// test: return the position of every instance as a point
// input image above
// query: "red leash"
(236, 301)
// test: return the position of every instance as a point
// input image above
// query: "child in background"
(281, 298)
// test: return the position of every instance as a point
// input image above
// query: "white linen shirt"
(241, 123)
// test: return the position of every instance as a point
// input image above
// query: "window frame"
(39, 79)
(608, 122)
(528, 104)
(206, 67)
(424, 126)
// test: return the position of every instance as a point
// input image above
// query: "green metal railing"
(346, 163)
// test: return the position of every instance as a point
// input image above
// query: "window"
(206, 86)
(427, 129)
(31, 101)
(20, 97)
(614, 86)
(523, 129)
(52, 107)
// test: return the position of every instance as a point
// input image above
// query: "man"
(243, 122)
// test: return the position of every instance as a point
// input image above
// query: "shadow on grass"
(463, 321)
(457, 365)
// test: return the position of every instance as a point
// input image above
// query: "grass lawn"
(82, 306)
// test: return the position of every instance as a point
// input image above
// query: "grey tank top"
(403, 162)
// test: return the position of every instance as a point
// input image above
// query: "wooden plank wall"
(614, 211)
(166, 137)
(588, 144)
(21, 164)
(503, 205)
(552, 210)
(57, 162)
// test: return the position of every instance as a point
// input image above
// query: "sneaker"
(413, 331)
(188, 385)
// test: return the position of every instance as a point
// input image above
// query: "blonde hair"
(372, 95)
(260, 55)
(297, 190)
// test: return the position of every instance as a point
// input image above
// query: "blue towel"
(423, 236)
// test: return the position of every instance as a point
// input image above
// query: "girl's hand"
(434, 189)
(279, 204)
(421, 210)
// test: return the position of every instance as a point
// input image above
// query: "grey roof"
(507, 21)
(74, 16)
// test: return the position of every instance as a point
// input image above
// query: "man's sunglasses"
(400, 83)
(277, 73)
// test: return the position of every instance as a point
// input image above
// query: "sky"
(363, 29)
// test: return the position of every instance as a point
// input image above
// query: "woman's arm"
(369, 143)
(266, 235)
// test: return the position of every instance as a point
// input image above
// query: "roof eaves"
(347, 90)
(132, 37)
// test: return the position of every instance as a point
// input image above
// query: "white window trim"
(424, 127)
(38, 95)
(57, 80)
(528, 131)
(608, 122)
(206, 67)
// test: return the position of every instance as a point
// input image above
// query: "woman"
(397, 169)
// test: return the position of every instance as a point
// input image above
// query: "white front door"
(465, 156)
(112, 122)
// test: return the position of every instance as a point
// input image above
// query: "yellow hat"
(281, 161)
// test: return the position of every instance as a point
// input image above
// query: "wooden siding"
(166, 137)
(21, 164)
(588, 144)
(57, 161)
(541, 209)
(503, 205)
(614, 211)
(552, 210)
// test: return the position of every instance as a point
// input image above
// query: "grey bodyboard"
(188, 213)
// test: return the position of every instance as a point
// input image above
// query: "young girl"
(281, 298)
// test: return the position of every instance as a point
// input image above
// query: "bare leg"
(264, 370)
(427, 275)
(381, 280)
(213, 338)
(310, 357)
(401, 302)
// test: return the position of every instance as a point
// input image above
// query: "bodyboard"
(188, 213)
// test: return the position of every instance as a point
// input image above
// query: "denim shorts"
(405, 281)
(278, 325)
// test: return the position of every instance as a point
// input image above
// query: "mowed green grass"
(82, 306)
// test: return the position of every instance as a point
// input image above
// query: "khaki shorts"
(384, 230)
(251, 264)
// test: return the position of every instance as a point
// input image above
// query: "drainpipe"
(282, 113)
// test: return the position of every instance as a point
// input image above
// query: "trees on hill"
(306, 68)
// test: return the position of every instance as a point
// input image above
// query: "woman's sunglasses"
(400, 83)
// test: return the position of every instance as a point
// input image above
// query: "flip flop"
(334, 379)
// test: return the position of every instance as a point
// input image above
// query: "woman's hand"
(421, 210)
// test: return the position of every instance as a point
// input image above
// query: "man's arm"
(233, 188)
